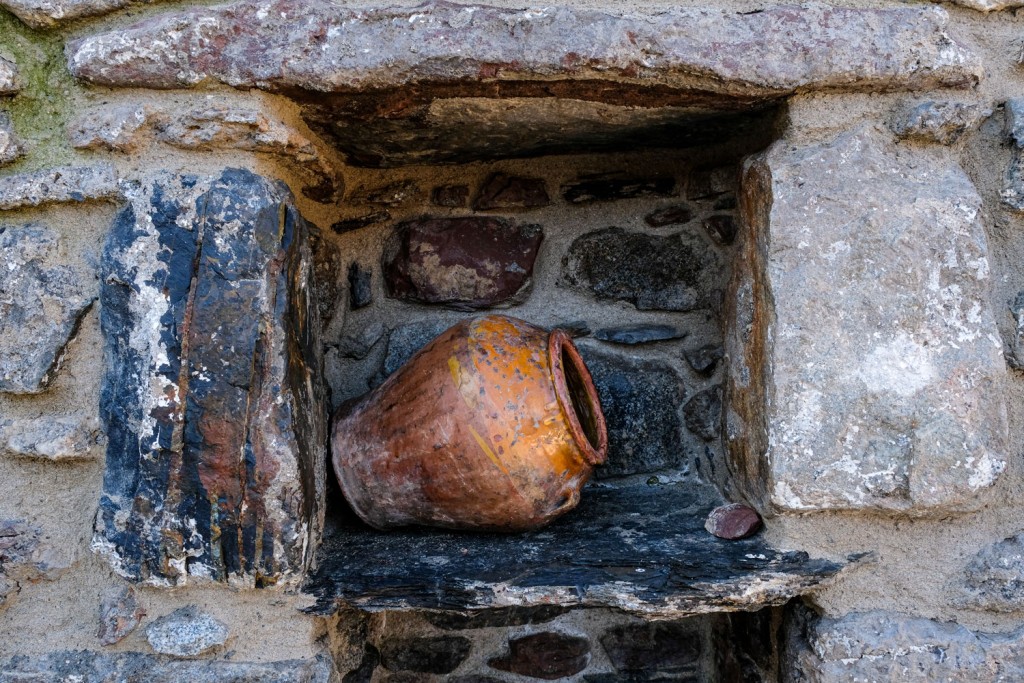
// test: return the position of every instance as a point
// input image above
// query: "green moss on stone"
(41, 110)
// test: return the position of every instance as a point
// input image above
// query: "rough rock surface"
(120, 614)
(722, 228)
(41, 307)
(1013, 180)
(501, 191)
(703, 413)
(133, 667)
(59, 185)
(994, 579)
(25, 556)
(467, 263)
(10, 148)
(117, 129)
(669, 215)
(191, 385)
(705, 359)
(639, 399)
(9, 83)
(233, 127)
(51, 437)
(813, 46)
(186, 632)
(942, 122)
(883, 646)
(49, 13)
(406, 340)
(987, 5)
(672, 273)
(893, 398)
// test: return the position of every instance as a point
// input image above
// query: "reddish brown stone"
(669, 215)
(119, 615)
(454, 196)
(733, 521)
(511, 192)
(463, 262)
(547, 655)
(722, 228)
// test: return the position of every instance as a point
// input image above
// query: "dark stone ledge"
(642, 549)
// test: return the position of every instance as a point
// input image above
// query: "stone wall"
(786, 239)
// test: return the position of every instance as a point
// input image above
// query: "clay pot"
(493, 425)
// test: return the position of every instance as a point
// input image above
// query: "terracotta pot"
(493, 425)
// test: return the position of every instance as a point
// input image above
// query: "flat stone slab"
(41, 307)
(213, 402)
(641, 549)
(893, 397)
(404, 85)
(89, 666)
(322, 47)
(68, 184)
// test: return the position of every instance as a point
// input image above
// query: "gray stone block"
(942, 122)
(10, 147)
(9, 82)
(59, 186)
(866, 370)
(994, 578)
(41, 307)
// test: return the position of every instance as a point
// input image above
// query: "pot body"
(493, 425)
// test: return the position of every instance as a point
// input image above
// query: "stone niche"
(620, 176)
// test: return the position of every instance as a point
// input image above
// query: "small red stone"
(733, 521)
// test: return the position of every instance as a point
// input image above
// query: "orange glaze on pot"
(493, 425)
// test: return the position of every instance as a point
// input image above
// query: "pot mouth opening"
(578, 398)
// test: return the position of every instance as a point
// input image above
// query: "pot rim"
(559, 341)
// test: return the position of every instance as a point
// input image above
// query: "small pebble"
(733, 522)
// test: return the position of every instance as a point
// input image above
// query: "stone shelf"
(639, 548)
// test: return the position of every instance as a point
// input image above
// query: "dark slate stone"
(641, 677)
(705, 359)
(711, 182)
(360, 286)
(638, 334)
(673, 273)
(727, 202)
(428, 654)
(494, 618)
(406, 340)
(395, 193)
(703, 413)
(722, 228)
(473, 678)
(358, 343)
(548, 655)
(453, 196)
(653, 648)
(575, 328)
(366, 220)
(367, 665)
(640, 400)
(502, 191)
(134, 667)
(611, 188)
(733, 521)
(466, 263)
(638, 548)
(213, 352)
(669, 215)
